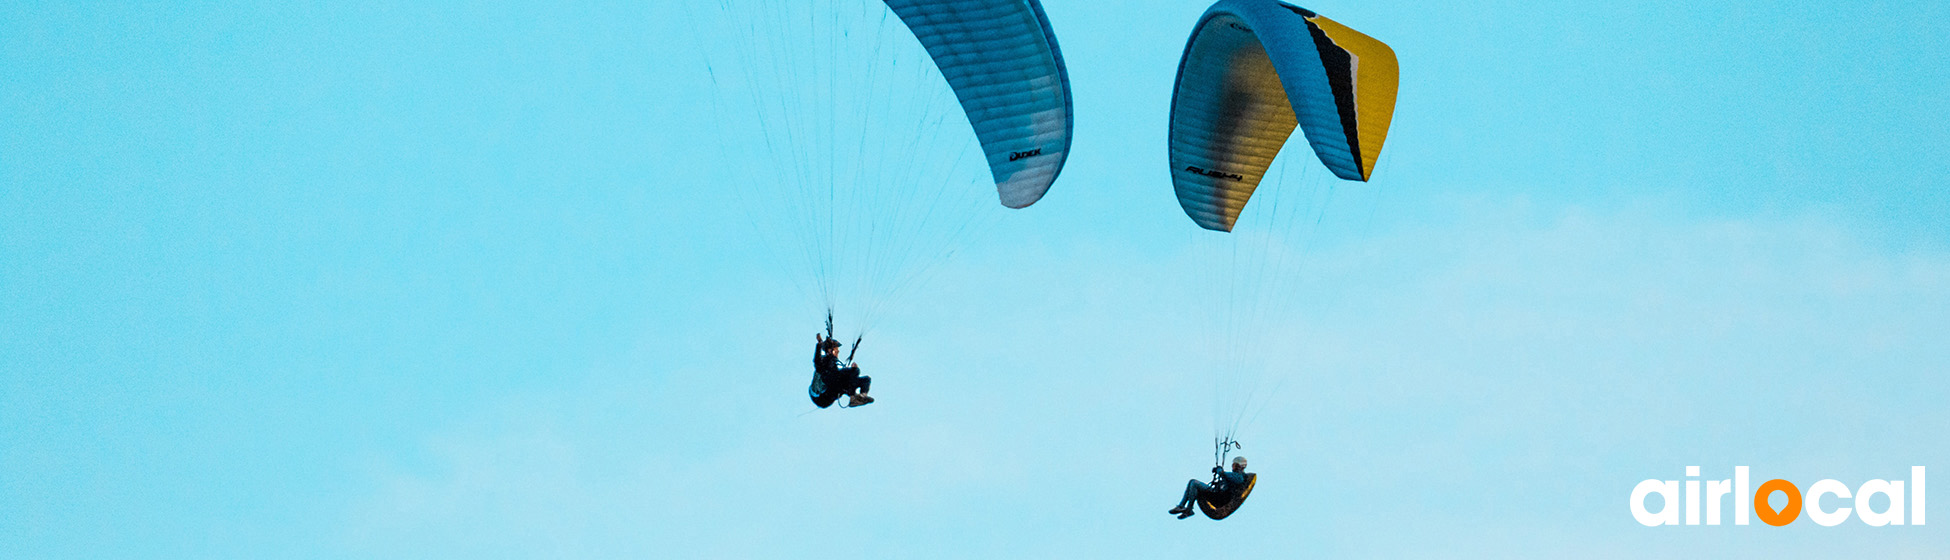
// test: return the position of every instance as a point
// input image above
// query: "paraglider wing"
(1251, 72)
(1001, 59)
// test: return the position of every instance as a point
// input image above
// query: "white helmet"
(1239, 462)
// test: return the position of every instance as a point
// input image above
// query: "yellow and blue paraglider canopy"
(1251, 72)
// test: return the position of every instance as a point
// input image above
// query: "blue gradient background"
(371, 280)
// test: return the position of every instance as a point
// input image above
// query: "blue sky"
(372, 280)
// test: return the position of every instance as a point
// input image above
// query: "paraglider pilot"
(830, 380)
(1227, 484)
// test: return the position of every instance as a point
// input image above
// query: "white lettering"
(1893, 516)
(1669, 515)
(1826, 518)
(1716, 489)
(1916, 499)
(1742, 496)
(1692, 496)
(1680, 500)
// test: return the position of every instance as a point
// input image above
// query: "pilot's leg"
(1192, 489)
